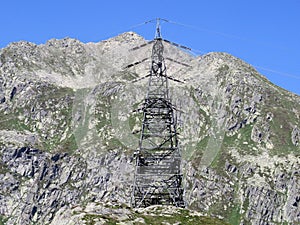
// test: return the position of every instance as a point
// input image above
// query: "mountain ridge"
(68, 132)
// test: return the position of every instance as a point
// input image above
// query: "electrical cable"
(277, 72)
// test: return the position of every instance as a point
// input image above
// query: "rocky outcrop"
(246, 190)
(37, 184)
(296, 136)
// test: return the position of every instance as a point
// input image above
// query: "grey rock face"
(68, 132)
(50, 182)
(296, 136)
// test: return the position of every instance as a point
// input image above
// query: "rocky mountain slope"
(68, 131)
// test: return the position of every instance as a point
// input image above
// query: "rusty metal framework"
(158, 178)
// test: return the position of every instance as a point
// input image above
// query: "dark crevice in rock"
(13, 92)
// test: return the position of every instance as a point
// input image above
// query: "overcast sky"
(264, 33)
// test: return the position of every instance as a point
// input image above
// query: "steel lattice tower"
(158, 178)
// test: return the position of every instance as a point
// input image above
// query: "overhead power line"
(227, 35)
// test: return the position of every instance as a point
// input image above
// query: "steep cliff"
(68, 131)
